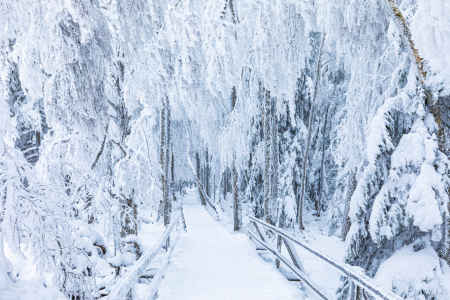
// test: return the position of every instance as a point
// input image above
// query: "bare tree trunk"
(275, 161)
(214, 188)
(224, 184)
(444, 249)
(351, 187)
(237, 209)
(308, 140)
(114, 217)
(267, 157)
(101, 149)
(236, 203)
(202, 199)
(173, 174)
(322, 170)
(161, 157)
(167, 202)
(275, 175)
(207, 175)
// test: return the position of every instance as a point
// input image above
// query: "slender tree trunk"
(207, 173)
(351, 187)
(173, 174)
(275, 161)
(308, 140)
(167, 202)
(214, 188)
(202, 199)
(267, 158)
(161, 157)
(237, 209)
(322, 170)
(236, 203)
(444, 249)
(224, 184)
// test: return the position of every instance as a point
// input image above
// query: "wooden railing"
(359, 283)
(123, 285)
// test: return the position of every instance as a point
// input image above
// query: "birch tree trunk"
(308, 140)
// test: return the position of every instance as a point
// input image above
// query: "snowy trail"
(211, 263)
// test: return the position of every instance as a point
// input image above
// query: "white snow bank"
(12, 288)
(416, 272)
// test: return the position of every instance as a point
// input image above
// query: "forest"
(325, 116)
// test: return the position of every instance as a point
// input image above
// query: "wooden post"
(277, 261)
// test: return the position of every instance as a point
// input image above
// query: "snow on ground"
(416, 272)
(211, 263)
(325, 275)
(26, 283)
(316, 235)
(150, 234)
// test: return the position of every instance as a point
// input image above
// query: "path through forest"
(209, 262)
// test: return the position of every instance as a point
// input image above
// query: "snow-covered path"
(211, 263)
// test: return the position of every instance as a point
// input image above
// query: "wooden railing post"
(121, 289)
(259, 232)
(167, 243)
(277, 261)
(360, 284)
(293, 254)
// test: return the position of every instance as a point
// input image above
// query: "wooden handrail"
(361, 280)
(121, 288)
(156, 281)
(294, 269)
